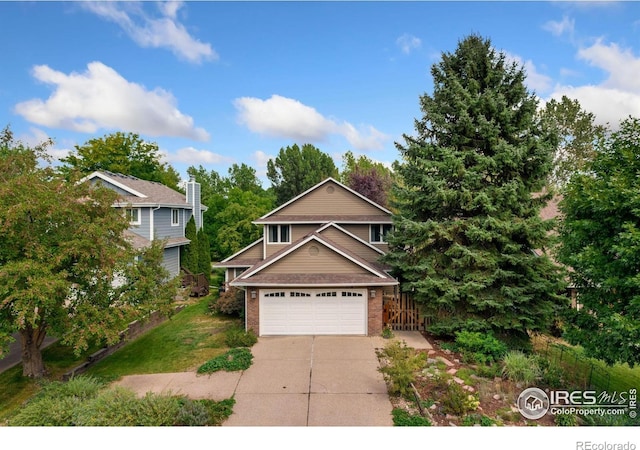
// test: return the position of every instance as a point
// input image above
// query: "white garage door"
(313, 311)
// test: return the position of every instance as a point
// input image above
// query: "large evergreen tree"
(600, 236)
(468, 217)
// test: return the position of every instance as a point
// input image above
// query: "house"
(155, 211)
(317, 269)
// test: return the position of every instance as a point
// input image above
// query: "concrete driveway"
(293, 381)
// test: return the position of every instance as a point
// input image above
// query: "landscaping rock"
(496, 397)
(446, 361)
(452, 371)
(458, 380)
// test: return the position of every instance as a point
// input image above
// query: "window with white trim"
(133, 215)
(175, 217)
(378, 232)
(279, 234)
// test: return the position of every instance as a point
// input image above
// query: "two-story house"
(155, 211)
(316, 269)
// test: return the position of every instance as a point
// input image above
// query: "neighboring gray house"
(155, 211)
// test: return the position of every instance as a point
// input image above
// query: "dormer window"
(378, 233)
(133, 215)
(279, 234)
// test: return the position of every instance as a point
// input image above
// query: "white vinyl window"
(279, 234)
(175, 217)
(133, 215)
(378, 232)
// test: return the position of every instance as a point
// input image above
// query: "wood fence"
(401, 313)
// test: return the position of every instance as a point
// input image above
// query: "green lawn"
(184, 342)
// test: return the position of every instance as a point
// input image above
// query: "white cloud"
(102, 98)
(285, 117)
(558, 28)
(408, 43)
(618, 96)
(535, 80)
(36, 137)
(193, 156)
(261, 159)
(155, 32)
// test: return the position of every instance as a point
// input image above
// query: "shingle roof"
(314, 279)
(306, 218)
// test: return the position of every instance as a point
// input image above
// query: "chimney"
(193, 199)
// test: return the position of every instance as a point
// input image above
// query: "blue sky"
(215, 83)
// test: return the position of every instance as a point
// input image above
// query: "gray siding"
(143, 228)
(171, 261)
(162, 224)
(100, 182)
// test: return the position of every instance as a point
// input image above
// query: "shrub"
(457, 401)
(116, 407)
(234, 359)
(400, 372)
(477, 419)
(229, 302)
(46, 412)
(237, 337)
(551, 375)
(402, 418)
(80, 387)
(157, 410)
(479, 347)
(219, 411)
(520, 368)
(565, 420)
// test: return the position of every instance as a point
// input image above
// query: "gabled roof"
(373, 273)
(239, 259)
(381, 214)
(142, 192)
(353, 236)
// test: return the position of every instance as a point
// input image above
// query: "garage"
(313, 311)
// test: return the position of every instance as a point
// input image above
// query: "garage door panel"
(305, 312)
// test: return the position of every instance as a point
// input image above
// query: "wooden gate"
(401, 313)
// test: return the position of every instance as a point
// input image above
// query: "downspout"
(151, 233)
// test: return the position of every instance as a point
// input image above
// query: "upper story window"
(175, 217)
(133, 215)
(378, 232)
(280, 234)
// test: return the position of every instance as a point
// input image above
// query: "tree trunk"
(32, 363)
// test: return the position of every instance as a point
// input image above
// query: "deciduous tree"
(66, 267)
(468, 220)
(297, 169)
(367, 177)
(578, 134)
(125, 153)
(600, 242)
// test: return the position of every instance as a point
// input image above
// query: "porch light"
(253, 293)
(372, 293)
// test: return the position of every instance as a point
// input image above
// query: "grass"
(182, 343)
(578, 367)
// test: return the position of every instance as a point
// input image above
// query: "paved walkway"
(294, 381)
